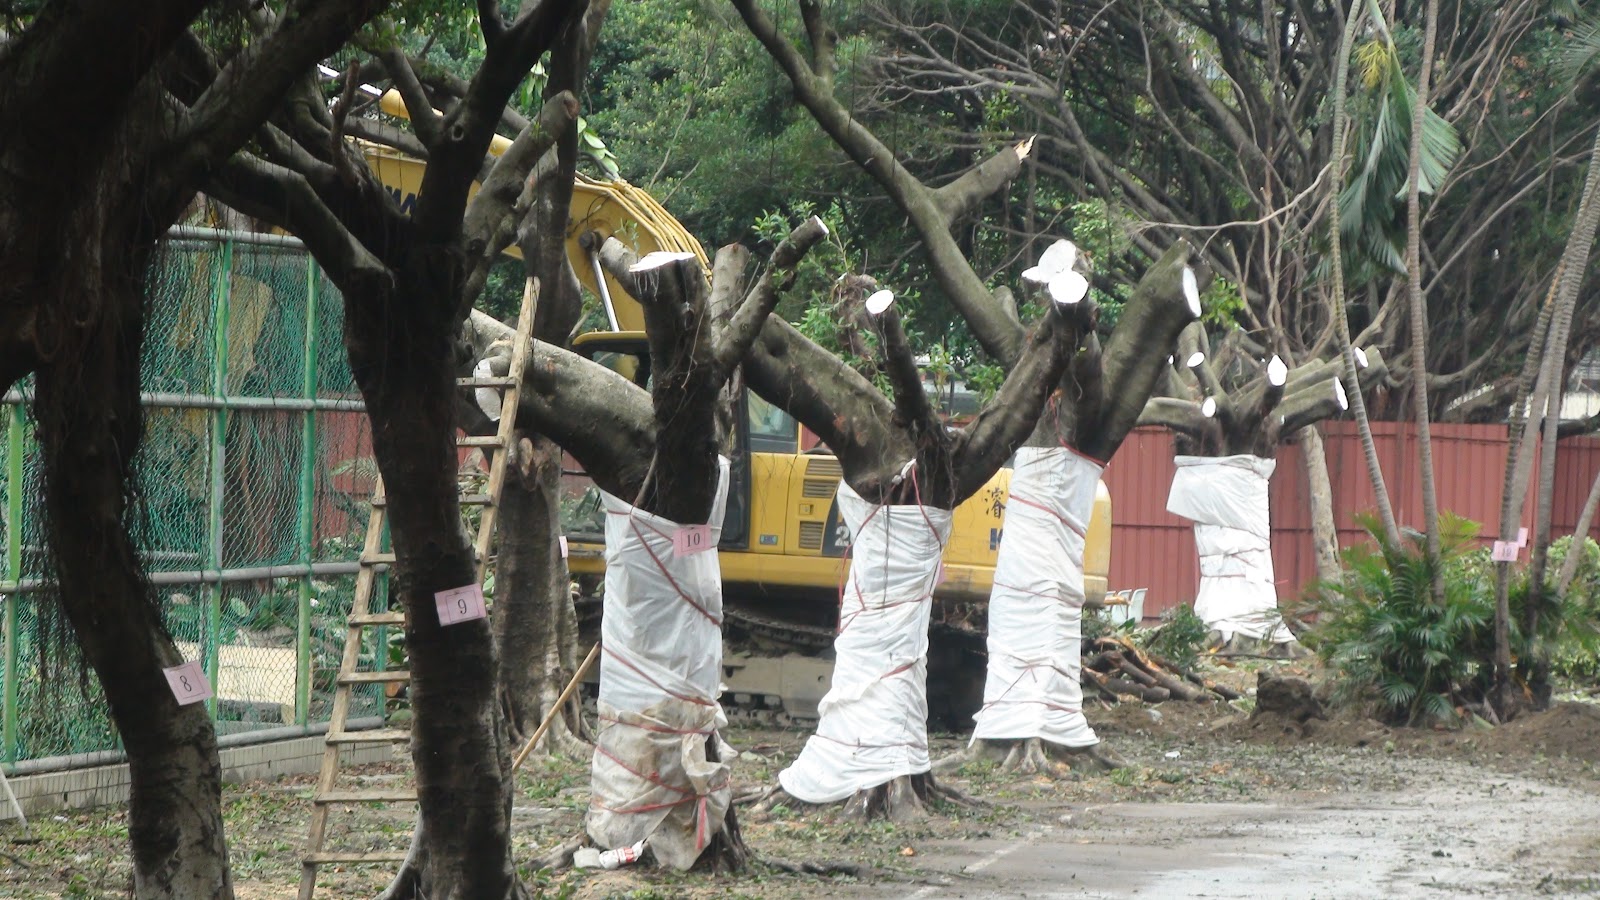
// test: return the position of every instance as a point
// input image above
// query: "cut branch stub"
(1163, 304)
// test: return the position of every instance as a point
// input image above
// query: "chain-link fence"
(253, 487)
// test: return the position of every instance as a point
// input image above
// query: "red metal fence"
(1154, 549)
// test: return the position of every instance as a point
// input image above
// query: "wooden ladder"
(362, 617)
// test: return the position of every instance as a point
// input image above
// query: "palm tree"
(1555, 321)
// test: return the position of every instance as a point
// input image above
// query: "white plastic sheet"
(874, 719)
(1226, 497)
(1036, 607)
(488, 398)
(660, 676)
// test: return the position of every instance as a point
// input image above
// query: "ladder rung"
(375, 677)
(479, 441)
(375, 736)
(321, 859)
(396, 796)
(489, 381)
(378, 559)
(379, 618)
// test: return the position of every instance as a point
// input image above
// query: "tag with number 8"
(462, 604)
(691, 539)
(188, 682)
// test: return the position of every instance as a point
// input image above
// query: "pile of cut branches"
(1114, 667)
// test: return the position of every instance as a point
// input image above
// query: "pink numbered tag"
(462, 604)
(1522, 537)
(691, 539)
(1504, 551)
(188, 682)
(562, 540)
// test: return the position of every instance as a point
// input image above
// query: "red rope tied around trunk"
(1071, 526)
(698, 701)
(645, 543)
(702, 827)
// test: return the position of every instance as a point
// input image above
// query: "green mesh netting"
(229, 488)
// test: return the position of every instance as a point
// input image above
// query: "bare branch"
(500, 190)
(254, 81)
(747, 321)
(419, 109)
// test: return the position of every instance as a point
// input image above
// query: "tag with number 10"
(691, 539)
(462, 604)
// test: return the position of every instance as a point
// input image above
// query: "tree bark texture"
(97, 162)
(400, 354)
(536, 628)
(1324, 530)
(90, 424)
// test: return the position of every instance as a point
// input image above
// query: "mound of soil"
(1566, 729)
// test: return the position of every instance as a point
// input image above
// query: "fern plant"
(1390, 642)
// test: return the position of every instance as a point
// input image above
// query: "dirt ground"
(1212, 803)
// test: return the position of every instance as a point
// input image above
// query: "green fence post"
(210, 641)
(15, 447)
(308, 499)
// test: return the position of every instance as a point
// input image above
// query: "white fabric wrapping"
(1036, 606)
(1226, 497)
(873, 723)
(488, 398)
(660, 676)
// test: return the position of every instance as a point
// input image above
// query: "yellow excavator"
(783, 544)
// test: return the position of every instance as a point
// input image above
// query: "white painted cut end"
(1191, 290)
(658, 259)
(1057, 259)
(1277, 372)
(880, 301)
(1195, 359)
(1339, 394)
(817, 220)
(1068, 288)
(1209, 408)
(1361, 357)
(1169, 360)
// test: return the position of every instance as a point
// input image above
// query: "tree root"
(407, 881)
(825, 869)
(1035, 756)
(905, 799)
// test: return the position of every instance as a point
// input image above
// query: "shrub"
(1390, 641)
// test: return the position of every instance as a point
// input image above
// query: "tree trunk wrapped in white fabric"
(1226, 497)
(874, 720)
(660, 676)
(1036, 606)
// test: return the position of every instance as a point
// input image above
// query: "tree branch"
(493, 202)
(254, 82)
(751, 315)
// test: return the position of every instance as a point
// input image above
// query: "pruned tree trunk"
(1225, 445)
(658, 770)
